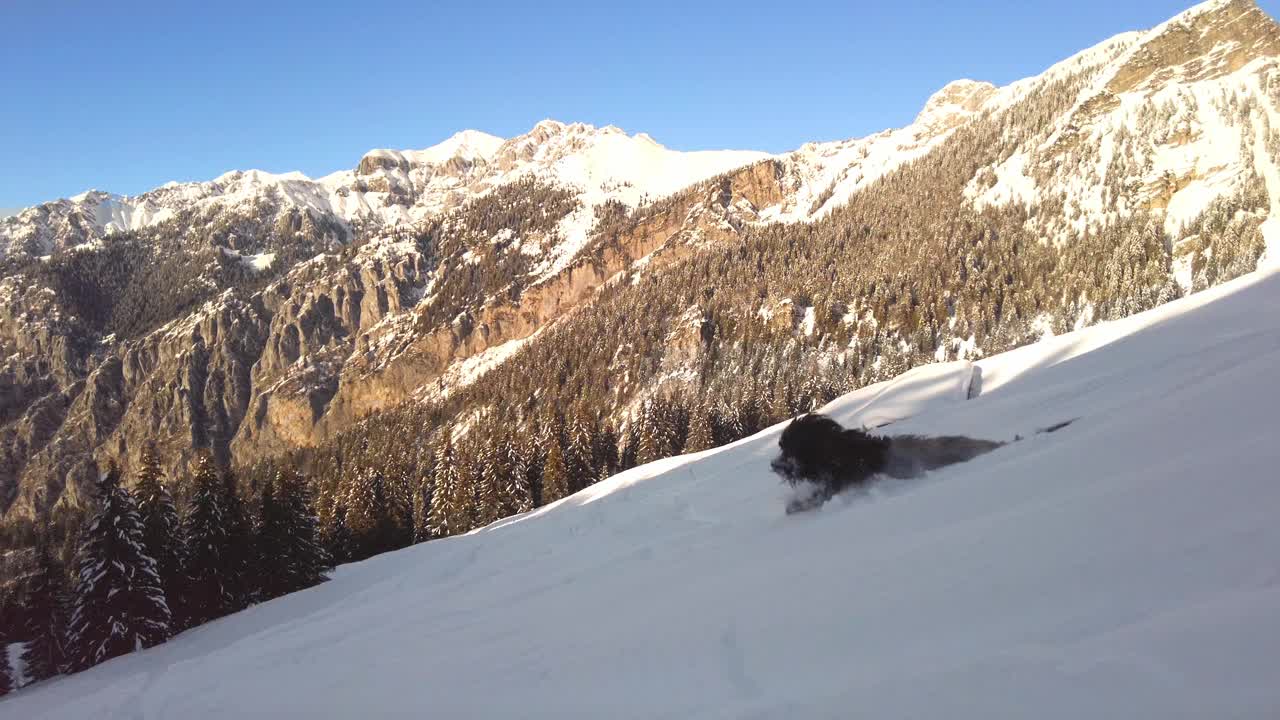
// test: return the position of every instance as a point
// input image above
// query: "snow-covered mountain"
(413, 275)
(1123, 566)
(1169, 120)
(392, 188)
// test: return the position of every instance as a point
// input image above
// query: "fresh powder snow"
(1123, 566)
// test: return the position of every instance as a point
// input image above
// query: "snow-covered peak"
(468, 145)
(954, 103)
(395, 187)
(592, 157)
(606, 164)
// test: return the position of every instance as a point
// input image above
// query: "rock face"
(1208, 42)
(328, 300)
(953, 105)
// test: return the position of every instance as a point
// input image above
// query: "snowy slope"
(1122, 567)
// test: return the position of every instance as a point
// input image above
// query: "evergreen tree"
(209, 565)
(491, 476)
(650, 435)
(6, 677)
(517, 492)
(579, 453)
(443, 519)
(605, 451)
(292, 557)
(240, 546)
(268, 530)
(162, 530)
(45, 654)
(308, 562)
(462, 501)
(368, 519)
(335, 538)
(422, 510)
(119, 602)
(400, 489)
(555, 476)
(701, 429)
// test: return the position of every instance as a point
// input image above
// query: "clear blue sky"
(125, 95)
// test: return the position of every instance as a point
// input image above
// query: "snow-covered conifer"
(119, 604)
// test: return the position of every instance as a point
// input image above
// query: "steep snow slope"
(1124, 566)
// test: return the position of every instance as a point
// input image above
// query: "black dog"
(816, 449)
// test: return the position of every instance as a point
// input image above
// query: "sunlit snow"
(1121, 567)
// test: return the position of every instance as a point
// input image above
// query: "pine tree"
(400, 489)
(517, 492)
(555, 476)
(162, 530)
(119, 602)
(309, 563)
(6, 677)
(209, 566)
(650, 437)
(579, 459)
(268, 530)
(368, 520)
(335, 537)
(240, 546)
(605, 451)
(701, 429)
(292, 558)
(462, 501)
(422, 510)
(443, 519)
(45, 654)
(490, 477)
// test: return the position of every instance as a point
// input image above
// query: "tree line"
(143, 566)
(142, 571)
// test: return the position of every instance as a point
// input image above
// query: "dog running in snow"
(815, 449)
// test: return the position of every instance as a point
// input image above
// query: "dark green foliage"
(211, 566)
(6, 676)
(555, 474)
(369, 517)
(517, 486)
(46, 613)
(702, 433)
(89, 282)
(162, 529)
(288, 539)
(119, 604)
(238, 578)
(447, 514)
